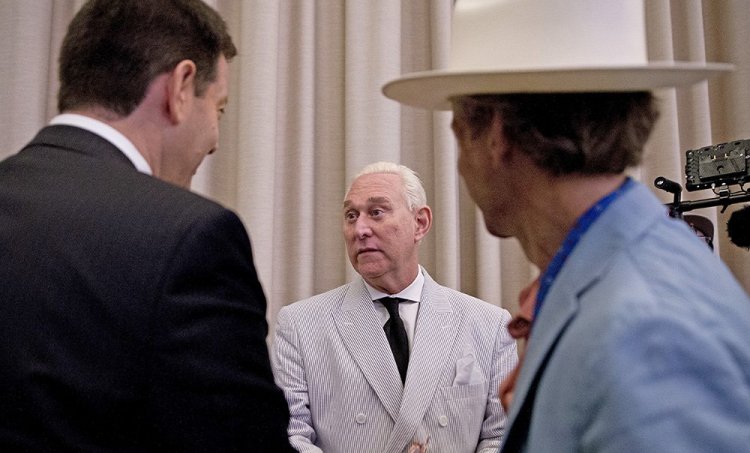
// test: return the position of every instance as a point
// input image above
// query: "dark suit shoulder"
(59, 188)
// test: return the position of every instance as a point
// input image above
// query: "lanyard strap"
(571, 240)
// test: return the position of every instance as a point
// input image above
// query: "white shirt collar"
(108, 133)
(413, 292)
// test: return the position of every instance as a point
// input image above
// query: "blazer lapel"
(611, 233)
(435, 333)
(546, 331)
(362, 334)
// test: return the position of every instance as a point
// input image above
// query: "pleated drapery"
(306, 113)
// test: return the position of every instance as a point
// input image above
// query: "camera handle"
(677, 207)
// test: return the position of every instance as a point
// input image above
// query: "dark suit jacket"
(131, 315)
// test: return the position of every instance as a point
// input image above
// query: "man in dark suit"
(131, 315)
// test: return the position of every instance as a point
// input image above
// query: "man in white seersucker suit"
(353, 383)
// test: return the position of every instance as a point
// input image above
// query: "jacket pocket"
(460, 392)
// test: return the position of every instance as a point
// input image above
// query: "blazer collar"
(74, 139)
(622, 223)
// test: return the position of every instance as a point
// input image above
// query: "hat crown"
(546, 46)
(546, 34)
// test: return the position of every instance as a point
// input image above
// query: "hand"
(417, 447)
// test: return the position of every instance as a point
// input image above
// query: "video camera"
(713, 167)
(716, 167)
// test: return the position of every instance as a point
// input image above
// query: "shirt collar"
(108, 133)
(412, 293)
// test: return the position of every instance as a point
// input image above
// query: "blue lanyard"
(571, 240)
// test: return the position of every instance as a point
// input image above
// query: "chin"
(370, 272)
(496, 230)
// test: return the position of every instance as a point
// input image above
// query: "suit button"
(360, 418)
(443, 420)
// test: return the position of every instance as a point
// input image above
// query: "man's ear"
(496, 141)
(424, 222)
(180, 90)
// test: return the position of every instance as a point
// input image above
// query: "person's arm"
(290, 376)
(505, 358)
(656, 383)
(211, 386)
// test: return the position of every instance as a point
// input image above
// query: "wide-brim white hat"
(545, 46)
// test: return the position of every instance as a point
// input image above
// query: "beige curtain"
(306, 113)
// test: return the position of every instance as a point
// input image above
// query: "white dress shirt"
(406, 310)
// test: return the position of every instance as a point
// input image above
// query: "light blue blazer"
(642, 345)
(333, 362)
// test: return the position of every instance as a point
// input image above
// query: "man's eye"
(376, 212)
(350, 216)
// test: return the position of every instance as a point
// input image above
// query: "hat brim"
(434, 89)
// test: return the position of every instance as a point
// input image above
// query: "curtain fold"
(306, 113)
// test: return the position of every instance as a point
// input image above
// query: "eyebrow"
(371, 200)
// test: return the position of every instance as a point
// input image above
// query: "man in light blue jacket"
(639, 336)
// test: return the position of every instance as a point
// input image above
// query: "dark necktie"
(396, 335)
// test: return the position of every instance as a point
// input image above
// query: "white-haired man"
(392, 357)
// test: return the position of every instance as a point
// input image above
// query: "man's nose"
(362, 227)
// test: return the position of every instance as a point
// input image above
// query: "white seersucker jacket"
(332, 360)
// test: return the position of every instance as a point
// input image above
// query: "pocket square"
(467, 373)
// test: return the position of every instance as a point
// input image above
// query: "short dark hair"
(566, 133)
(113, 49)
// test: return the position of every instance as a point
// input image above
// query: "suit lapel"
(362, 334)
(612, 233)
(547, 329)
(436, 330)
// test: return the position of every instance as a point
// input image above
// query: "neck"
(555, 207)
(144, 135)
(393, 284)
